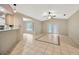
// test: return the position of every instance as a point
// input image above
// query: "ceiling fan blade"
(54, 15)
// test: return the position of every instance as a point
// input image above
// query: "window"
(28, 26)
(2, 21)
(49, 28)
(52, 28)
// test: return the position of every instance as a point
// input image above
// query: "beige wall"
(36, 24)
(73, 28)
(62, 25)
(39, 26)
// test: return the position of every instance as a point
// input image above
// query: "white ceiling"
(37, 10)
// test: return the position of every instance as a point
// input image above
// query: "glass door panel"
(52, 28)
(28, 26)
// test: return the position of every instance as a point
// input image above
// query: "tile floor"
(43, 46)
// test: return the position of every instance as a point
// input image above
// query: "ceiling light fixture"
(49, 15)
(14, 8)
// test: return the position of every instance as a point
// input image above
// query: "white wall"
(73, 28)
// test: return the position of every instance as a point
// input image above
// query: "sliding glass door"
(28, 26)
(52, 28)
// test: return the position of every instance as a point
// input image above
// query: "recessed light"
(2, 9)
(14, 11)
(26, 19)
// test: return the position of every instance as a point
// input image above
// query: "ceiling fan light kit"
(50, 14)
(14, 8)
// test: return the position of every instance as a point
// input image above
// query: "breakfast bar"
(8, 39)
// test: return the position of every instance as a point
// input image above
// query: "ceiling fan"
(49, 15)
(14, 8)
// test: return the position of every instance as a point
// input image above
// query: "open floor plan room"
(39, 29)
(42, 47)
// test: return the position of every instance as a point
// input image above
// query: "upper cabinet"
(9, 19)
(6, 13)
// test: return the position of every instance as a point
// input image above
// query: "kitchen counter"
(8, 40)
(8, 29)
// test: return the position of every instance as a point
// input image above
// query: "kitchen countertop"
(8, 29)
